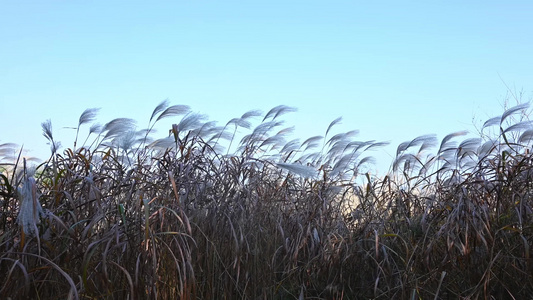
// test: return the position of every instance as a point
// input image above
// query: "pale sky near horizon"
(394, 70)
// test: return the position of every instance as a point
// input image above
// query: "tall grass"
(126, 216)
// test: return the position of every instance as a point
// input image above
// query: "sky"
(394, 70)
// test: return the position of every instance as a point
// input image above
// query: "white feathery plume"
(30, 208)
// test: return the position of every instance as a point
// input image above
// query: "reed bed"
(126, 216)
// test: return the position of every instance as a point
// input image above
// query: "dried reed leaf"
(73, 290)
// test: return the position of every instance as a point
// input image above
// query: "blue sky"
(394, 69)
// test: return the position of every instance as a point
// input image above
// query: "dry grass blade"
(128, 277)
(73, 289)
(16, 263)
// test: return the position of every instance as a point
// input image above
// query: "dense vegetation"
(124, 216)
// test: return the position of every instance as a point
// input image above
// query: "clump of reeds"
(127, 216)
